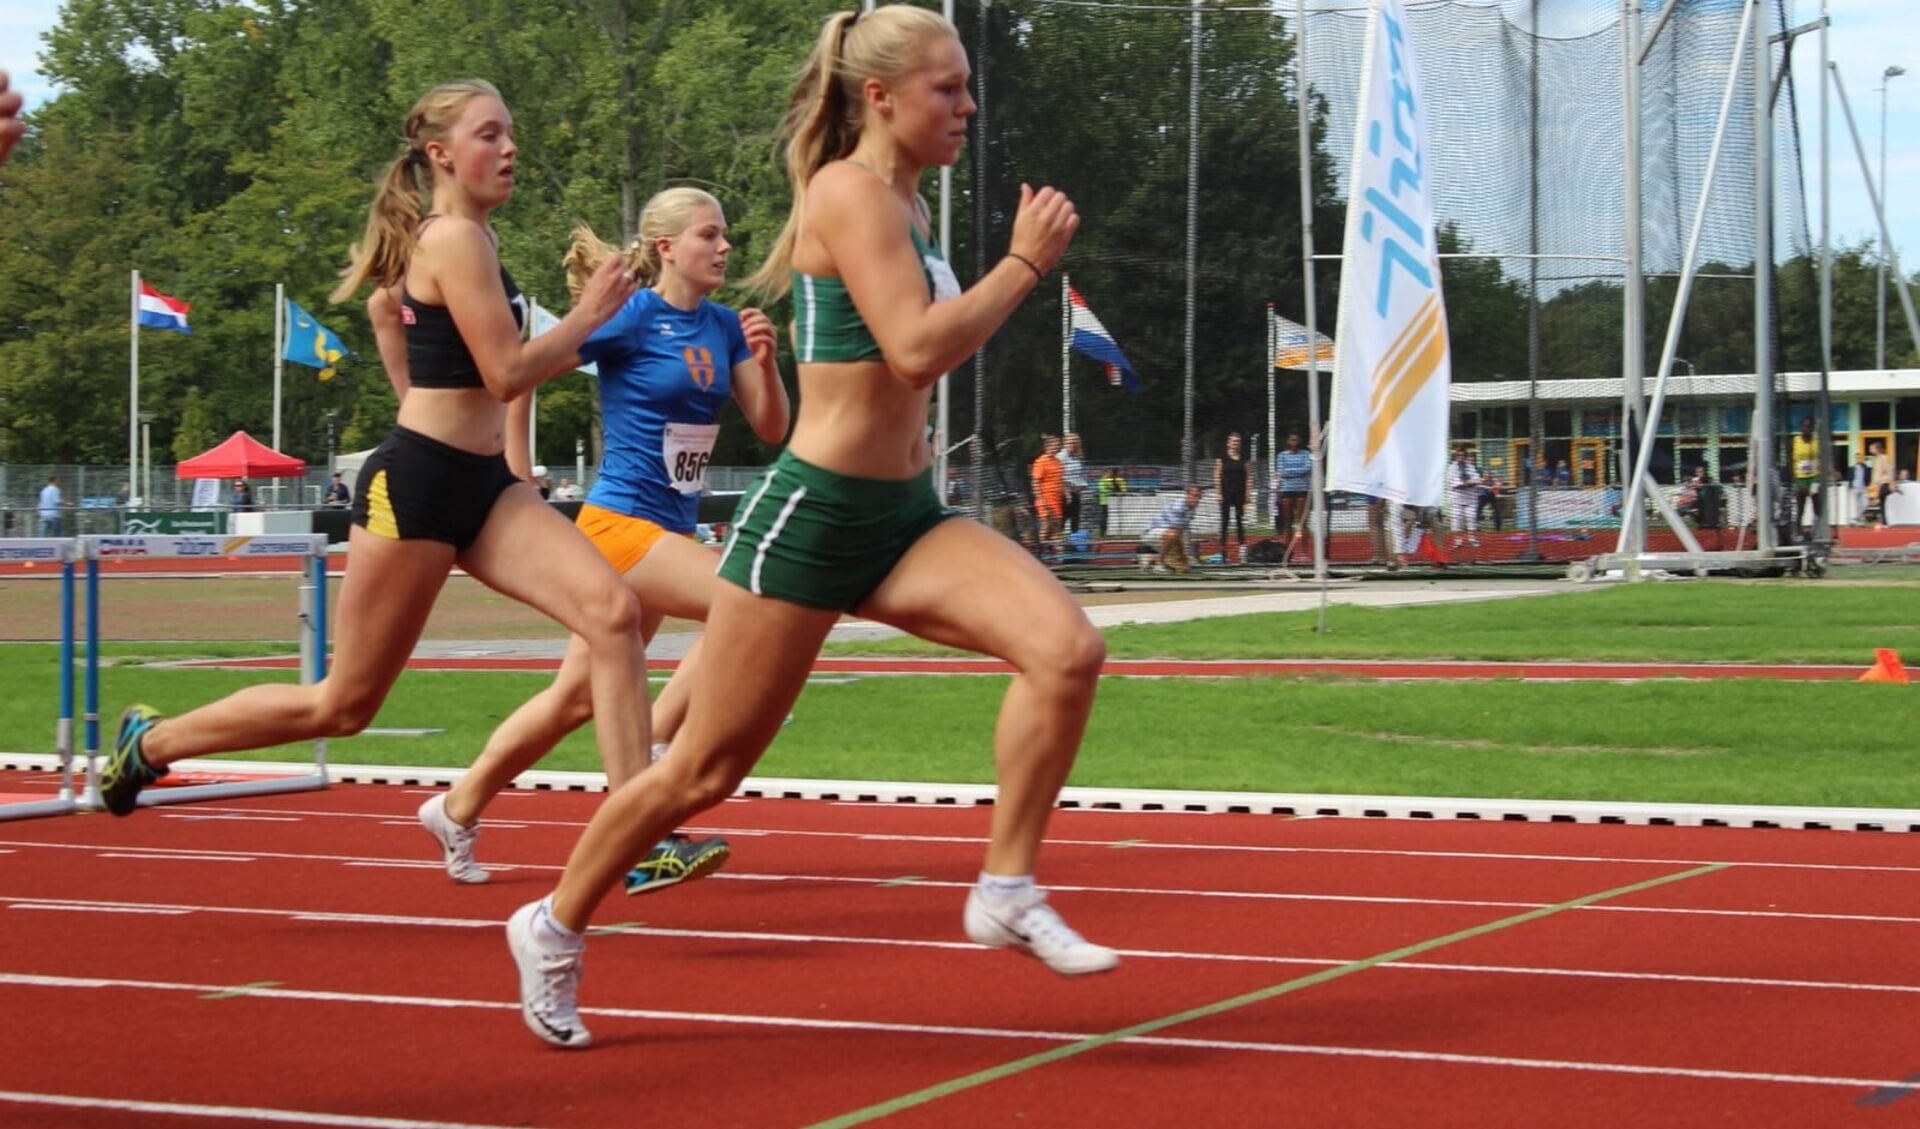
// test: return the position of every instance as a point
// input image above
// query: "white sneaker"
(549, 982)
(456, 842)
(1030, 925)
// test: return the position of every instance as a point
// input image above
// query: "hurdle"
(65, 552)
(313, 646)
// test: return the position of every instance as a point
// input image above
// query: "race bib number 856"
(686, 449)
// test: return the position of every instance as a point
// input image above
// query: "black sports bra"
(437, 357)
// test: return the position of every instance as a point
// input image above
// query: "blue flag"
(310, 343)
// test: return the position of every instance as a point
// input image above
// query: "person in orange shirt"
(1049, 489)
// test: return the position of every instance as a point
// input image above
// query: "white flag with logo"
(1392, 370)
(543, 321)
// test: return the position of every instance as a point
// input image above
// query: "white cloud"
(21, 24)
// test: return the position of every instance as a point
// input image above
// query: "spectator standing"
(1104, 490)
(1073, 478)
(1562, 474)
(1806, 476)
(1880, 483)
(1293, 476)
(1463, 498)
(1230, 483)
(1383, 552)
(242, 499)
(567, 491)
(1049, 490)
(338, 496)
(50, 524)
(1110, 484)
(1859, 476)
(1489, 499)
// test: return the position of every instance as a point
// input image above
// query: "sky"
(1867, 37)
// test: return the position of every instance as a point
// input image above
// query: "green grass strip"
(1017, 1066)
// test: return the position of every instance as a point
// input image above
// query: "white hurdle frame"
(65, 552)
(313, 646)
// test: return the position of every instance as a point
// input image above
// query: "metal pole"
(1193, 228)
(1761, 460)
(1316, 500)
(279, 347)
(982, 512)
(1066, 358)
(1633, 430)
(943, 394)
(1880, 319)
(1262, 473)
(133, 388)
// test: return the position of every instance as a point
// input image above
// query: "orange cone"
(1886, 667)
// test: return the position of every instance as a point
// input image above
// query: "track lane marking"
(229, 1112)
(519, 823)
(941, 1090)
(1075, 1042)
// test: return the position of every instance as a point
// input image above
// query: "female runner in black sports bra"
(437, 492)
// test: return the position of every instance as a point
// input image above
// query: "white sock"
(659, 750)
(1001, 889)
(550, 934)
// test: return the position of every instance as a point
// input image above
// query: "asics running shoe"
(676, 859)
(127, 771)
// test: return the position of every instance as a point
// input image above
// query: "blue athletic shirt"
(665, 373)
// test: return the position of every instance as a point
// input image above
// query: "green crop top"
(827, 327)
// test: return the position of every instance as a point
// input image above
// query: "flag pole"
(279, 351)
(1066, 356)
(1316, 499)
(133, 388)
(1265, 473)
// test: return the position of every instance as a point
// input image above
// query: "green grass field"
(1721, 741)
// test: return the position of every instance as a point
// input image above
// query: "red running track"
(302, 959)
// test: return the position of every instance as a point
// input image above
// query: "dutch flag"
(157, 311)
(1092, 338)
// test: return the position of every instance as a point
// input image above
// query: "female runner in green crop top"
(899, 75)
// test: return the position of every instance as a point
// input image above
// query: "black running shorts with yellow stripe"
(414, 487)
(810, 536)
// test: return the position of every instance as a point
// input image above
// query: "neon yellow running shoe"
(676, 859)
(127, 771)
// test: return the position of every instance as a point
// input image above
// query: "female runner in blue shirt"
(847, 519)
(668, 362)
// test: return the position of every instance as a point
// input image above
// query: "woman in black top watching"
(437, 491)
(1230, 483)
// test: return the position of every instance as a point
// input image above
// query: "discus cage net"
(1175, 129)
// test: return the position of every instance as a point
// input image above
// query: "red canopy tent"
(241, 456)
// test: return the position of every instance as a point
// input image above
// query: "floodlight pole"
(1633, 536)
(1760, 460)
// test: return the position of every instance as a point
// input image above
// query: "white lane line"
(229, 817)
(1148, 844)
(764, 937)
(145, 911)
(230, 1112)
(173, 856)
(814, 1024)
(1280, 896)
